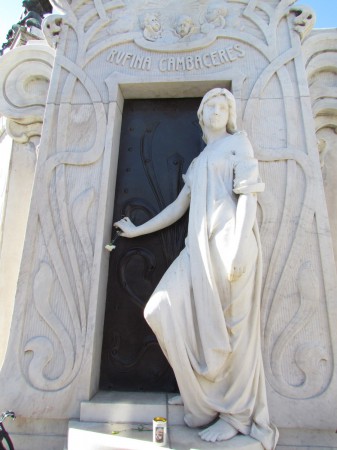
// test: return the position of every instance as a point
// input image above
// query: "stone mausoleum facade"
(86, 105)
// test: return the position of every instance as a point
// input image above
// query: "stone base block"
(98, 436)
(36, 442)
(300, 439)
(38, 434)
(107, 410)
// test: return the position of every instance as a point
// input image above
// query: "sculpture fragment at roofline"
(32, 16)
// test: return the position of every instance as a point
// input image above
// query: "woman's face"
(215, 113)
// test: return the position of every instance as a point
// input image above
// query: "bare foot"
(176, 400)
(219, 431)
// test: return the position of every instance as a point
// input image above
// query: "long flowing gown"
(207, 326)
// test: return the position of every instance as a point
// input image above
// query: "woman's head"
(230, 100)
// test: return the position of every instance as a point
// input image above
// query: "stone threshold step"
(108, 408)
(130, 407)
(106, 436)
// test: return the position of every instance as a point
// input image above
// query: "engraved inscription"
(201, 61)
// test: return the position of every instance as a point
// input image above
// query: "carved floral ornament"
(153, 26)
(169, 26)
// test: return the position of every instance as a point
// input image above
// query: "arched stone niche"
(106, 52)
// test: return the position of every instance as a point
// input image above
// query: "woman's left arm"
(245, 218)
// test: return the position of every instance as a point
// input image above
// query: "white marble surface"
(54, 347)
(107, 410)
(18, 191)
(130, 407)
(205, 311)
(136, 436)
(94, 436)
(321, 63)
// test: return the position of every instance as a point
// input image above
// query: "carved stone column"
(319, 50)
(24, 79)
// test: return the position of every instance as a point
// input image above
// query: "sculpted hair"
(231, 126)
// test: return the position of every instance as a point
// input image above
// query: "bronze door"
(159, 139)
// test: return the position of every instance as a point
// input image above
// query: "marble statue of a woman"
(205, 311)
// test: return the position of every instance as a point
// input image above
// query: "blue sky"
(326, 11)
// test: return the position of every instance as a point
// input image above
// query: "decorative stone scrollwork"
(21, 132)
(309, 358)
(70, 199)
(51, 27)
(24, 81)
(319, 50)
(321, 65)
(304, 21)
(43, 348)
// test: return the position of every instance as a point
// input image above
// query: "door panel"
(159, 139)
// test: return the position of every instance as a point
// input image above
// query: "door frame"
(119, 89)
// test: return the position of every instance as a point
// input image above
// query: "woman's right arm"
(166, 217)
